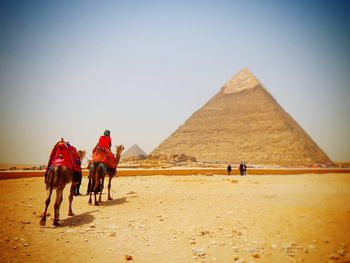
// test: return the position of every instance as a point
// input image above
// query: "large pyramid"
(243, 122)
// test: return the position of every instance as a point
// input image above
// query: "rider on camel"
(105, 140)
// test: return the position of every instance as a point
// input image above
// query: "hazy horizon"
(72, 69)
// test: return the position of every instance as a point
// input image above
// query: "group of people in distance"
(242, 169)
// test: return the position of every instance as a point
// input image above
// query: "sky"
(71, 69)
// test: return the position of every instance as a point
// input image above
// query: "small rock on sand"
(334, 256)
(341, 251)
(199, 252)
(204, 232)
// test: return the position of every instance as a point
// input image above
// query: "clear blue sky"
(140, 68)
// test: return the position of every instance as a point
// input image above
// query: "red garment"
(103, 155)
(105, 141)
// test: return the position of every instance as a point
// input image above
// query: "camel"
(56, 177)
(97, 175)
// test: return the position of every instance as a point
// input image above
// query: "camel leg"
(91, 187)
(92, 171)
(95, 193)
(90, 197)
(102, 185)
(109, 188)
(47, 202)
(72, 189)
(88, 190)
(94, 188)
(59, 193)
(59, 205)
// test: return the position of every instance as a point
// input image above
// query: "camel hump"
(61, 155)
(103, 155)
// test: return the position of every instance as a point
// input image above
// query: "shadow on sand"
(78, 220)
(117, 201)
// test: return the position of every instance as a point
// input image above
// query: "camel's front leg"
(92, 172)
(47, 202)
(95, 184)
(90, 197)
(71, 194)
(101, 189)
(91, 188)
(109, 188)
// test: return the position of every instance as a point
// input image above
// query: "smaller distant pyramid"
(134, 152)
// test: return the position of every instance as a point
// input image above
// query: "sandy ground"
(278, 218)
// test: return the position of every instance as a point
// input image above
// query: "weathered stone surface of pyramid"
(134, 152)
(243, 122)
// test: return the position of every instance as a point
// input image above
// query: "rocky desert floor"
(270, 218)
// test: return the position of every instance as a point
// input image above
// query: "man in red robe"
(105, 140)
(102, 154)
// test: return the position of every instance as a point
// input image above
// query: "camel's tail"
(57, 175)
(53, 177)
(99, 175)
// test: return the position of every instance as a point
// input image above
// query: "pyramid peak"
(133, 151)
(243, 80)
(135, 146)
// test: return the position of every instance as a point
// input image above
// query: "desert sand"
(270, 218)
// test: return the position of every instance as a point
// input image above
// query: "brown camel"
(97, 175)
(58, 174)
(57, 178)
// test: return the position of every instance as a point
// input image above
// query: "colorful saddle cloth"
(103, 155)
(64, 154)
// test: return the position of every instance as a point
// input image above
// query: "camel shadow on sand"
(117, 201)
(78, 220)
(87, 217)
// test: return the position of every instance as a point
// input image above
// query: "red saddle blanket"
(103, 155)
(64, 154)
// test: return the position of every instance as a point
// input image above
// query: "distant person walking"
(241, 169)
(229, 169)
(78, 172)
(245, 168)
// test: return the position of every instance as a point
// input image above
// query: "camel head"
(120, 148)
(81, 154)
